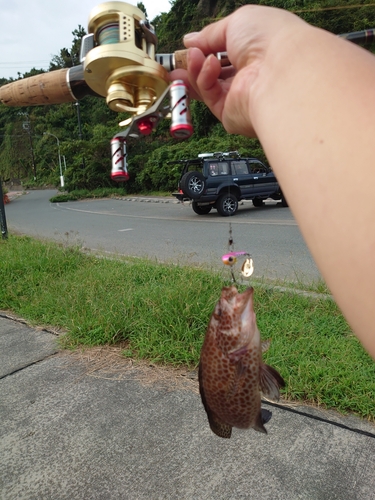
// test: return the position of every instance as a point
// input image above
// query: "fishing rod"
(69, 84)
(118, 61)
(365, 38)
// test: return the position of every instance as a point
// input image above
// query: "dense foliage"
(30, 155)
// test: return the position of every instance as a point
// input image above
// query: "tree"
(141, 6)
(207, 7)
(69, 57)
(148, 156)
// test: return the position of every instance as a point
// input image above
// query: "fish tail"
(270, 381)
(264, 416)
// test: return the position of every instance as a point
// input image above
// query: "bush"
(81, 194)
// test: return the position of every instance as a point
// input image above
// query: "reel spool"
(121, 67)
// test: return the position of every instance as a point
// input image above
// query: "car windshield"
(257, 168)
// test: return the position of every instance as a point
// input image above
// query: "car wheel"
(193, 184)
(227, 204)
(201, 209)
(284, 202)
(258, 202)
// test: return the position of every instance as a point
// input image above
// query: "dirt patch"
(108, 362)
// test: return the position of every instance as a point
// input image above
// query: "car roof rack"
(191, 160)
(220, 154)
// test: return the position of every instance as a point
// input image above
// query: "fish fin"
(265, 345)
(236, 356)
(238, 374)
(219, 428)
(264, 416)
(216, 425)
(270, 382)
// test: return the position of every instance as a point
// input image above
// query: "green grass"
(82, 194)
(162, 311)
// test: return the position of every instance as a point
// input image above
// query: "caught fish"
(231, 371)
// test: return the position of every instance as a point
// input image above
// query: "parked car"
(220, 180)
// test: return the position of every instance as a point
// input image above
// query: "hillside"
(84, 132)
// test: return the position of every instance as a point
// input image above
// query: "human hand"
(305, 93)
(253, 36)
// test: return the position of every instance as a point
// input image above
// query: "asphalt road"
(169, 231)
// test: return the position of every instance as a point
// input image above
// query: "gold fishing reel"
(121, 65)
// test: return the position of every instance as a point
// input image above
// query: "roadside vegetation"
(161, 311)
(82, 194)
(28, 146)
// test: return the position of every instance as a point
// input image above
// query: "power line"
(40, 61)
(338, 7)
(297, 11)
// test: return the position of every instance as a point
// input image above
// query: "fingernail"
(190, 36)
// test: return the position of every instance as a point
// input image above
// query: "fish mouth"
(231, 295)
(244, 307)
(243, 300)
(239, 312)
(242, 303)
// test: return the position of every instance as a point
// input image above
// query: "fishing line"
(320, 419)
(342, 7)
(231, 258)
(297, 11)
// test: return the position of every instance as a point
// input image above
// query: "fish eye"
(217, 313)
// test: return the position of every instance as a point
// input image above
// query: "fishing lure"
(231, 258)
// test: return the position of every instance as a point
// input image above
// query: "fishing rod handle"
(178, 60)
(55, 87)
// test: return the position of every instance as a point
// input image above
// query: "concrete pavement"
(100, 427)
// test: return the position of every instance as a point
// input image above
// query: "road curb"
(142, 199)
(12, 195)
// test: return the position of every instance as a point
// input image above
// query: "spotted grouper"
(232, 374)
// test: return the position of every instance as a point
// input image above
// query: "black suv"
(221, 180)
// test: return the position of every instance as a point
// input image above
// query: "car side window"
(214, 169)
(256, 167)
(218, 168)
(239, 167)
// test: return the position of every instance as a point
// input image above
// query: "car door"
(242, 177)
(264, 180)
(217, 173)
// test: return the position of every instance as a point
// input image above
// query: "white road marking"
(185, 219)
(122, 230)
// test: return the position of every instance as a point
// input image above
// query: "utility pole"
(79, 120)
(27, 126)
(58, 149)
(79, 128)
(3, 221)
